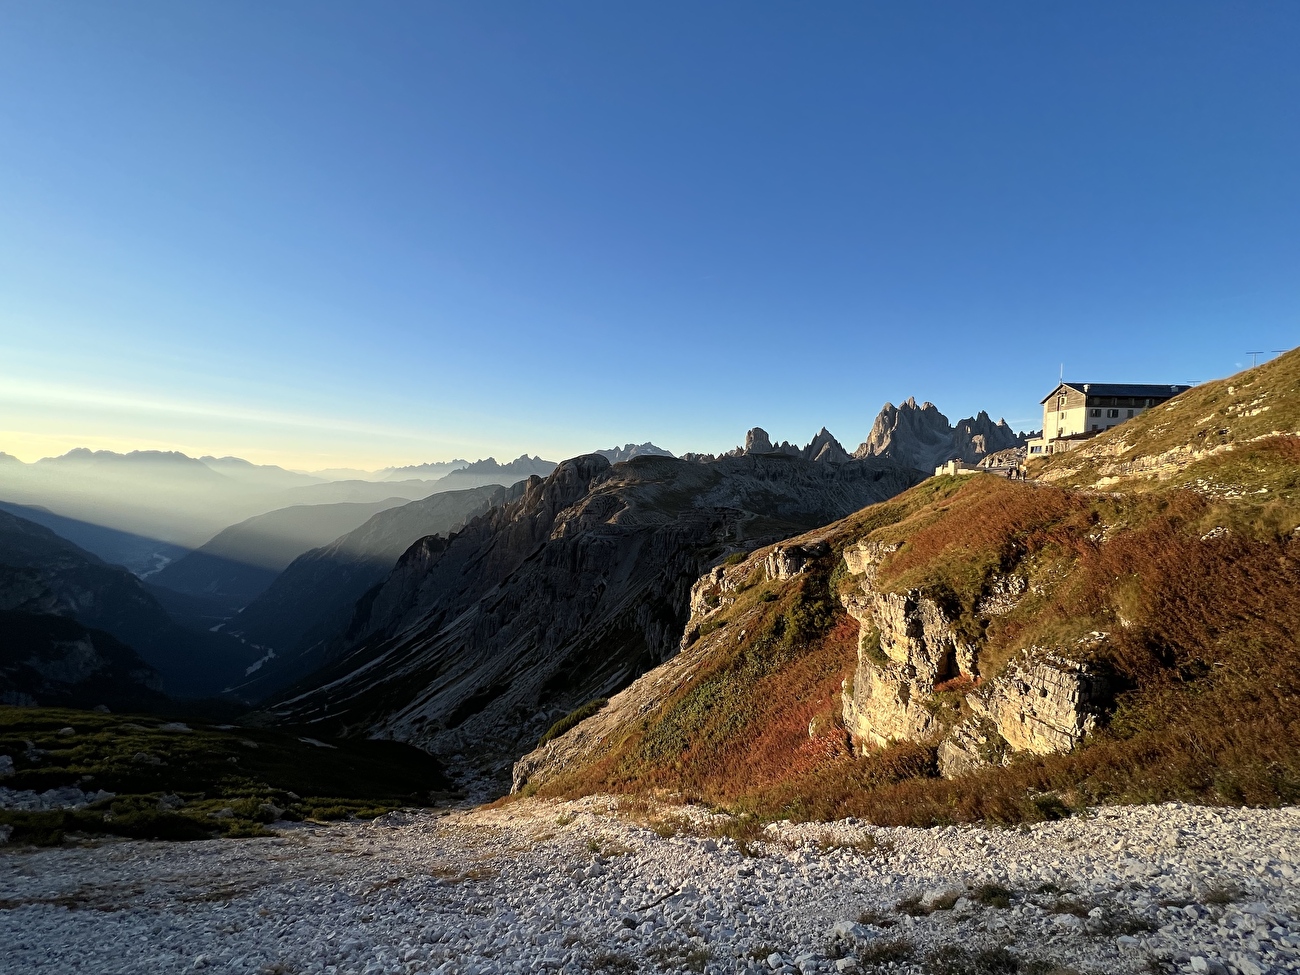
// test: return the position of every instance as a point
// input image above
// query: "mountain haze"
(312, 601)
(239, 562)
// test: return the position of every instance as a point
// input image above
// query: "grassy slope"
(211, 768)
(1194, 577)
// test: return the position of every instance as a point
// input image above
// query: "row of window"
(1113, 414)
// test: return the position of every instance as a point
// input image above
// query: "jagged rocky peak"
(923, 438)
(822, 448)
(617, 455)
(758, 442)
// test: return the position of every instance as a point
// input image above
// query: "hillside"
(1124, 628)
(475, 643)
(52, 661)
(41, 573)
(239, 562)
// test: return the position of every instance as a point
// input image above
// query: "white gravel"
(577, 888)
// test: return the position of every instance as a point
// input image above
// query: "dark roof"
(1153, 390)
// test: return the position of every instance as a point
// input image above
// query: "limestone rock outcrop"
(906, 646)
(758, 442)
(1045, 702)
(909, 645)
(787, 561)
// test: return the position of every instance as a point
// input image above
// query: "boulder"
(1046, 702)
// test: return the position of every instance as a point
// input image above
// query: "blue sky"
(326, 234)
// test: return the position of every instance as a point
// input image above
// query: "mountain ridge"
(572, 588)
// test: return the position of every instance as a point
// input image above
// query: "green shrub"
(571, 719)
(992, 895)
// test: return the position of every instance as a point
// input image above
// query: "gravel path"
(576, 887)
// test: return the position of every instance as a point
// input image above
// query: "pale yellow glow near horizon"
(46, 419)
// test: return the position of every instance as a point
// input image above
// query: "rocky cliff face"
(921, 436)
(476, 643)
(1044, 701)
(300, 616)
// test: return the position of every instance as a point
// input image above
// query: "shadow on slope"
(53, 661)
(241, 561)
(42, 573)
(142, 555)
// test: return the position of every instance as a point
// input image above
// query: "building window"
(1112, 413)
(1096, 412)
(1096, 427)
(1130, 414)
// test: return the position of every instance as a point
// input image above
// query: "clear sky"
(325, 234)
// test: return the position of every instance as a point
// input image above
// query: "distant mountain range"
(145, 509)
(427, 472)
(921, 436)
(619, 455)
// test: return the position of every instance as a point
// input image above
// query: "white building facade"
(1074, 412)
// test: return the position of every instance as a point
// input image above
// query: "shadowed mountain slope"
(314, 598)
(241, 561)
(53, 661)
(43, 574)
(474, 644)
